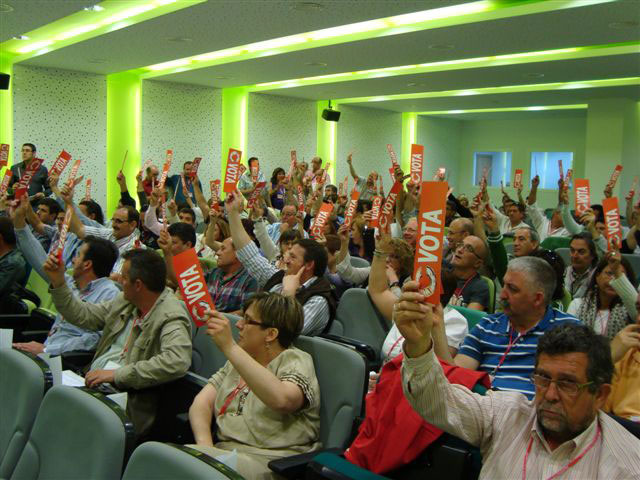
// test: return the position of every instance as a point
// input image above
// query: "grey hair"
(533, 234)
(538, 273)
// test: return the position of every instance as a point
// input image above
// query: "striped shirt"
(316, 309)
(123, 244)
(502, 424)
(507, 355)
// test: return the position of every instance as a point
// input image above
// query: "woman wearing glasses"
(266, 398)
(609, 304)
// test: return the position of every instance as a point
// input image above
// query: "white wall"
(277, 125)
(185, 118)
(61, 109)
(366, 132)
(441, 138)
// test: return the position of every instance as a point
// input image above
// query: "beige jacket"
(160, 347)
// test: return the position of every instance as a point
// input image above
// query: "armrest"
(295, 466)
(41, 319)
(35, 335)
(372, 357)
(77, 360)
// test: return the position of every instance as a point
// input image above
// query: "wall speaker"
(4, 81)
(330, 115)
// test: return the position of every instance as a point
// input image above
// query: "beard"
(554, 423)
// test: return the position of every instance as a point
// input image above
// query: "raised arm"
(200, 200)
(352, 170)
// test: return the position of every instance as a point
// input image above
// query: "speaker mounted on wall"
(4, 81)
(330, 115)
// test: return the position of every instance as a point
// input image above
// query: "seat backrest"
(24, 381)
(360, 319)
(342, 376)
(634, 260)
(492, 294)
(206, 357)
(78, 433)
(472, 316)
(359, 262)
(162, 460)
(40, 287)
(565, 255)
(509, 248)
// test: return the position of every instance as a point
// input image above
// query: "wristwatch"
(394, 284)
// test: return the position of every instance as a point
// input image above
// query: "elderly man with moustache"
(561, 432)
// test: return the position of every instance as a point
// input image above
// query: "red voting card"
(5, 182)
(417, 159)
(165, 169)
(386, 215)
(232, 174)
(60, 164)
(376, 207)
(87, 189)
(193, 285)
(517, 178)
(4, 154)
(582, 193)
(321, 220)
(23, 184)
(64, 230)
(255, 194)
(615, 175)
(612, 221)
(392, 155)
(351, 207)
(428, 259)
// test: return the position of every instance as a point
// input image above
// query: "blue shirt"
(63, 336)
(489, 341)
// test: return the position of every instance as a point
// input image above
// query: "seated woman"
(609, 304)
(266, 398)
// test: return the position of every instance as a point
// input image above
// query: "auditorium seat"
(359, 262)
(565, 255)
(472, 316)
(343, 378)
(40, 287)
(492, 294)
(206, 357)
(358, 319)
(154, 460)
(78, 433)
(25, 380)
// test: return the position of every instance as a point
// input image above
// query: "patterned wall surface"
(366, 132)
(442, 140)
(185, 118)
(278, 125)
(61, 109)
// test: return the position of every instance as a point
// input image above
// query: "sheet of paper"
(72, 379)
(6, 337)
(120, 398)
(55, 365)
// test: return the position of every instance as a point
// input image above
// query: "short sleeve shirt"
(252, 427)
(470, 291)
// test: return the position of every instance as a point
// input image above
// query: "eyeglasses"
(253, 322)
(564, 386)
(469, 248)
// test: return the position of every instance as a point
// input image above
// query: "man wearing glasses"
(504, 344)
(561, 433)
(39, 185)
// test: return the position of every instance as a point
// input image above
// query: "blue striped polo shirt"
(489, 340)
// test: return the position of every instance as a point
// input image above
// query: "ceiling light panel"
(104, 17)
(478, 11)
(539, 87)
(579, 106)
(448, 65)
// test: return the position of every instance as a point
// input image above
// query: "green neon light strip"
(492, 61)
(409, 121)
(83, 25)
(483, 10)
(539, 87)
(578, 106)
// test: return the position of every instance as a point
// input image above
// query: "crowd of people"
(559, 343)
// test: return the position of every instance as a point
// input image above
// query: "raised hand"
(164, 242)
(291, 283)
(414, 319)
(219, 330)
(54, 270)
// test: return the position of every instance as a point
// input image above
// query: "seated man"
(561, 430)
(504, 344)
(525, 242)
(472, 290)
(513, 219)
(458, 230)
(47, 212)
(288, 221)
(584, 259)
(545, 227)
(13, 268)
(230, 284)
(89, 281)
(146, 332)
(303, 278)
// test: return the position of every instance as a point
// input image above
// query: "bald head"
(470, 254)
(459, 229)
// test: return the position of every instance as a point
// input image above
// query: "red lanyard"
(512, 342)
(230, 397)
(393, 347)
(568, 465)
(458, 291)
